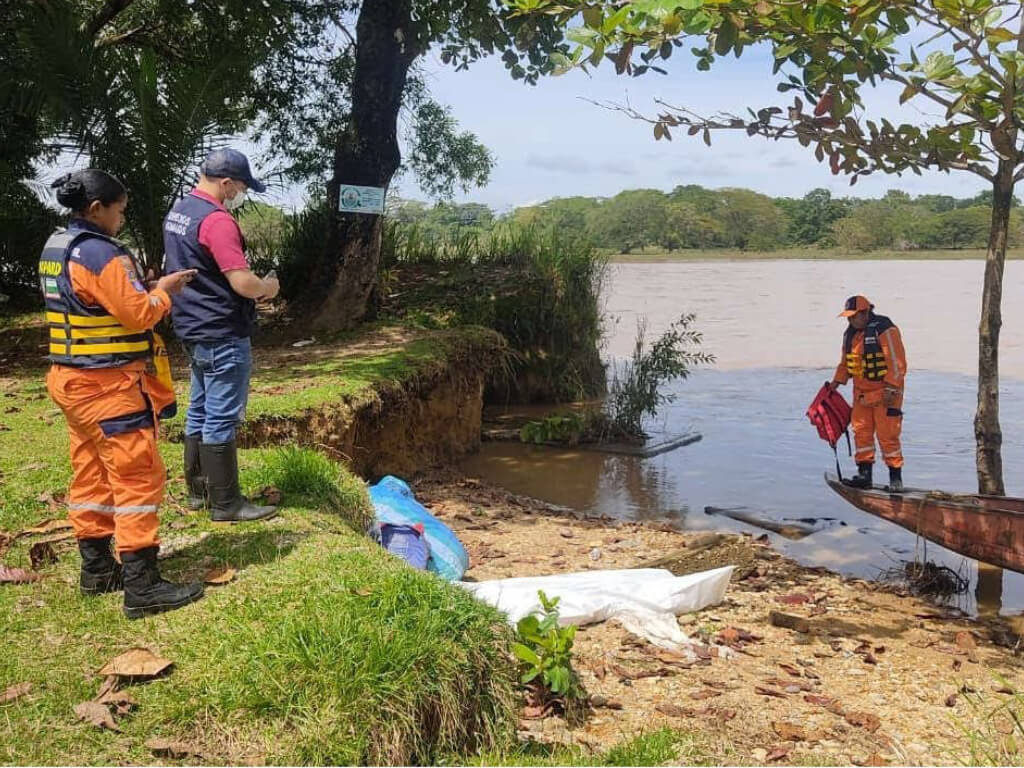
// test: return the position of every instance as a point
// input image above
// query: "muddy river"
(773, 327)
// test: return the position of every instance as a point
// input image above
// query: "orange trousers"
(871, 418)
(118, 475)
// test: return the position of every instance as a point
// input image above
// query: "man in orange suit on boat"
(873, 356)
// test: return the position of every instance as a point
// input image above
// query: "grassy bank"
(322, 650)
(654, 255)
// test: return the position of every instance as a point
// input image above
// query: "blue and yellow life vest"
(82, 335)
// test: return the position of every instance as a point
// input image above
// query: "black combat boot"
(863, 477)
(100, 571)
(227, 504)
(895, 480)
(195, 481)
(146, 592)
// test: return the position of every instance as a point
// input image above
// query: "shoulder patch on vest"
(94, 254)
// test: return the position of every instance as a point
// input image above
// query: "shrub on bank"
(540, 290)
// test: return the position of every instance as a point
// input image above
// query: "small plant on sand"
(638, 387)
(544, 651)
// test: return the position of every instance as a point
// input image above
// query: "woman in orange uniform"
(873, 356)
(101, 317)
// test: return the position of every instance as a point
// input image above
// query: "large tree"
(964, 58)
(142, 88)
(373, 77)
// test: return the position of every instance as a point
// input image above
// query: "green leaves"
(544, 651)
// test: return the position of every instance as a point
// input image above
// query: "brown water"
(774, 329)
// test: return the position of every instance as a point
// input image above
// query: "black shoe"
(146, 592)
(863, 477)
(227, 504)
(895, 480)
(195, 481)
(100, 571)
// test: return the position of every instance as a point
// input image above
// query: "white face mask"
(236, 202)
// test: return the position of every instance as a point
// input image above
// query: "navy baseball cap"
(231, 164)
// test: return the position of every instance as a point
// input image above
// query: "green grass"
(323, 649)
(656, 255)
(662, 747)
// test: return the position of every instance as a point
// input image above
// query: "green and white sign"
(355, 199)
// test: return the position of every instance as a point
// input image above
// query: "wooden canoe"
(985, 528)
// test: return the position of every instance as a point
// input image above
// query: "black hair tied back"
(78, 190)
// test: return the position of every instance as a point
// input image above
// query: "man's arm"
(245, 283)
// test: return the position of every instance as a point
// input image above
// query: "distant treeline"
(693, 217)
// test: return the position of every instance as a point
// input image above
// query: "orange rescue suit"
(876, 360)
(98, 307)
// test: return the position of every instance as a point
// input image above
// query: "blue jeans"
(220, 388)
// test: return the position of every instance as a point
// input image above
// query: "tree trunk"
(987, 433)
(343, 285)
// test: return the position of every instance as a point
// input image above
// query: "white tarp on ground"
(644, 600)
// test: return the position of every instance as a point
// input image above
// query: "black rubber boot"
(100, 571)
(863, 477)
(895, 480)
(227, 504)
(195, 481)
(146, 592)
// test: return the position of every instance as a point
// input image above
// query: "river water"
(773, 328)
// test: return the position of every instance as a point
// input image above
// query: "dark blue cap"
(231, 164)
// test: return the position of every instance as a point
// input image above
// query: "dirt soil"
(847, 672)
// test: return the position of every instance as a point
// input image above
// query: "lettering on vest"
(177, 223)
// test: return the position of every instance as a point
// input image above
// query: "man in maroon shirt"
(214, 321)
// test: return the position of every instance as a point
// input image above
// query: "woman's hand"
(175, 282)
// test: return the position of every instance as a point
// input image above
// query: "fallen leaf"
(779, 753)
(789, 731)
(1004, 726)
(270, 495)
(957, 664)
(12, 409)
(47, 526)
(951, 700)
(869, 658)
(1005, 689)
(723, 714)
(96, 714)
(17, 575)
(826, 702)
(966, 641)
(865, 720)
(704, 693)
(364, 591)
(797, 598)
(674, 711)
(875, 759)
(175, 749)
(769, 692)
(15, 692)
(41, 553)
(219, 576)
(137, 662)
(729, 636)
(790, 670)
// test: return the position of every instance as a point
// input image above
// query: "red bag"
(830, 415)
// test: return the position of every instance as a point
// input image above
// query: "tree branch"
(110, 10)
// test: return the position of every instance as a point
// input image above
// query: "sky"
(549, 140)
